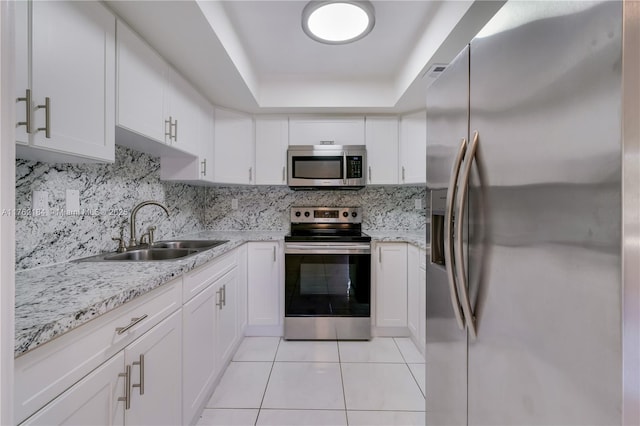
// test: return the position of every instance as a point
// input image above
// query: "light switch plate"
(418, 203)
(234, 204)
(40, 203)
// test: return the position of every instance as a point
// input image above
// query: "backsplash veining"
(267, 207)
(108, 192)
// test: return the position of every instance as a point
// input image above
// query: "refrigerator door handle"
(460, 269)
(448, 233)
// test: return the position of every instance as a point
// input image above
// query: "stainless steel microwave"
(326, 166)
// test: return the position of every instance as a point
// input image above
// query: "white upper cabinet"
(381, 135)
(155, 101)
(68, 100)
(331, 131)
(141, 86)
(272, 139)
(233, 148)
(413, 148)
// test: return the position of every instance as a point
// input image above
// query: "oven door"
(328, 279)
(327, 290)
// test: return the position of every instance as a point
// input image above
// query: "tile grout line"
(409, 368)
(344, 393)
(273, 363)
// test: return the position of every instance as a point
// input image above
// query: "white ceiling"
(254, 56)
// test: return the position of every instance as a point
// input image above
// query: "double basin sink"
(161, 250)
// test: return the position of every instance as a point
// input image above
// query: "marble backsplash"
(267, 207)
(108, 192)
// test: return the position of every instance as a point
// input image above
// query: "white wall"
(7, 201)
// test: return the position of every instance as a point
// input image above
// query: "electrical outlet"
(73, 201)
(418, 203)
(40, 203)
(234, 204)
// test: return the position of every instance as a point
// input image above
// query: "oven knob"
(307, 214)
(345, 214)
(298, 214)
(354, 214)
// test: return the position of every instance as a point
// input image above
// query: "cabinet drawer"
(45, 372)
(200, 278)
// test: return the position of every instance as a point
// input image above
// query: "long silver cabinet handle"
(369, 174)
(140, 385)
(448, 233)
(250, 174)
(463, 287)
(134, 321)
(224, 295)
(127, 387)
(403, 179)
(274, 253)
(284, 177)
(204, 167)
(219, 299)
(27, 101)
(168, 124)
(175, 133)
(47, 118)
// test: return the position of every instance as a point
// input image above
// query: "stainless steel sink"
(188, 244)
(151, 254)
(161, 250)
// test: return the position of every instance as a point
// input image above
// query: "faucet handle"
(122, 247)
(151, 230)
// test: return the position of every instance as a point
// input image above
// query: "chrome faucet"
(132, 221)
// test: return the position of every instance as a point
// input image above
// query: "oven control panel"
(326, 215)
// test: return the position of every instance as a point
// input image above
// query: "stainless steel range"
(327, 275)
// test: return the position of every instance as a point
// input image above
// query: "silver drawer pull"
(27, 101)
(134, 321)
(141, 384)
(47, 118)
(127, 386)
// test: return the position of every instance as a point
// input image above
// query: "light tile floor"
(271, 381)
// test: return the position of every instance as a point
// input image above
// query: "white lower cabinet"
(265, 292)
(390, 263)
(141, 384)
(417, 294)
(156, 376)
(211, 330)
(92, 401)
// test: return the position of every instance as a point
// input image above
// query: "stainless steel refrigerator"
(533, 172)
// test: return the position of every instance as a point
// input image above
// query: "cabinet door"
(91, 401)
(234, 148)
(186, 114)
(242, 289)
(422, 296)
(272, 139)
(156, 383)
(413, 290)
(382, 150)
(141, 86)
(413, 148)
(336, 131)
(198, 350)
(391, 284)
(264, 287)
(73, 65)
(22, 65)
(227, 321)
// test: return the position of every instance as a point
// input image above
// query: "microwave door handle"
(344, 167)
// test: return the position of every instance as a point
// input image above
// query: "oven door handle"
(326, 248)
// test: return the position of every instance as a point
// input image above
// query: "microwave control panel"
(354, 167)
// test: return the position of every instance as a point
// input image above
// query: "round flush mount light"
(338, 21)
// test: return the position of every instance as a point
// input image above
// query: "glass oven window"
(327, 285)
(329, 167)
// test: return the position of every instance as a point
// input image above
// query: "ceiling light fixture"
(338, 21)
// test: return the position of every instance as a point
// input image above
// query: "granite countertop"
(53, 300)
